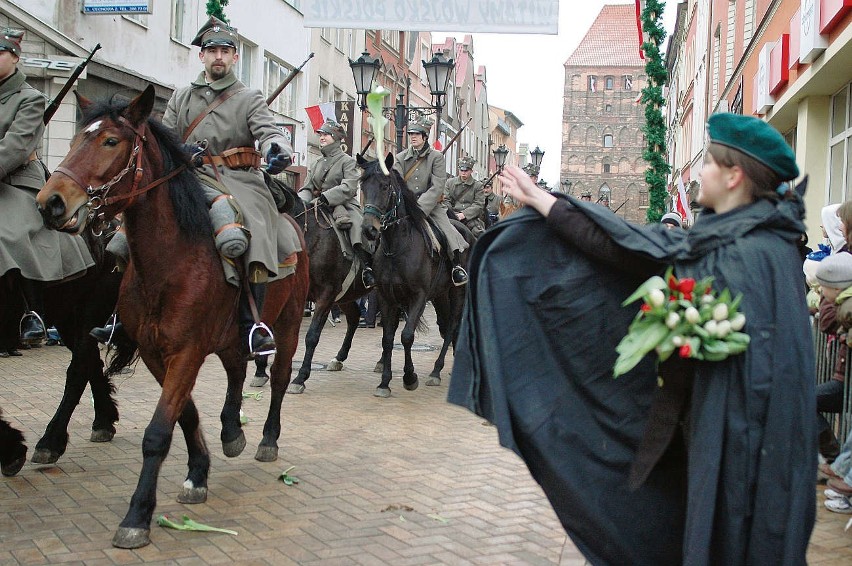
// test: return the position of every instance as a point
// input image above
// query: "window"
(411, 50)
(340, 39)
(628, 82)
(141, 19)
(338, 95)
(606, 167)
(609, 83)
(244, 65)
(593, 83)
(325, 33)
(608, 109)
(607, 140)
(840, 148)
(391, 37)
(324, 90)
(643, 197)
(178, 28)
(274, 73)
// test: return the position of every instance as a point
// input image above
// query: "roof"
(612, 41)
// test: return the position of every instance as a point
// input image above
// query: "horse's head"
(381, 195)
(104, 154)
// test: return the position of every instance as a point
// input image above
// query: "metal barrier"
(827, 348)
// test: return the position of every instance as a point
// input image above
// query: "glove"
(193, 152)
(276, 160)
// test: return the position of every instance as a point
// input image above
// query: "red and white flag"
(441, 141)
(682, 202)
(318, 114)
(643, 37)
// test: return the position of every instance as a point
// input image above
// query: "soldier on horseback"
(224, 118)
(425, 172)
(333, 182)
(465, 197)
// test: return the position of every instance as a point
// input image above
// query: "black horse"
(409, 271)
(13, 451)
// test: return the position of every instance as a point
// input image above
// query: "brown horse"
(174, 298)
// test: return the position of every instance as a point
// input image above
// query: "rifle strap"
(413, 168)
(225, 95)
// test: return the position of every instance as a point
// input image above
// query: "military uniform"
(492, 208)
(468, 198)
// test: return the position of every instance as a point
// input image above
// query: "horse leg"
(415, 312)
(194, 489)
(353, 316)
(106, 409)
(232, 436)
(13, 451)
(321, 310)
(260, 376)
(177, 382)
(443, 309)
(390, 319)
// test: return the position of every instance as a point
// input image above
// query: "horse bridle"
(98, 196)
(390, 216)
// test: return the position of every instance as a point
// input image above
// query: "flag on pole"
(640, 7)
(441, 141)
(318, 114)
(682, 202)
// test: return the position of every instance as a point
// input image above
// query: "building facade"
(602, 119)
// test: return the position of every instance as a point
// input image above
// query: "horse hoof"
(380, 367)
(235, 447)
(45, 456)
(259, 380)
(383, 392)
(192, 495)
(127, 537)
(266, 453)
(411, 386)
(334, 365)
(433, 381)
(14, 467)
(103, 435)
(296, 388)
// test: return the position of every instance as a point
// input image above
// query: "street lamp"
(567, 184)
(542, 184)
(500, 155)
(537, 155)
(438, 72)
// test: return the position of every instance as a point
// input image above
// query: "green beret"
(755, 138)
(10, 40)
(215, 33)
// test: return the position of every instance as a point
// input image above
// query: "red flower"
(686, 285)
(708, 290)
(672, 283)
(672, 298)
(645, 307)
(685, 351)
(687, 296)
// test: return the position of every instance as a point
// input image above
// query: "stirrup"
(263, 351)
(459, 276)
(372, 282)
(31, 341)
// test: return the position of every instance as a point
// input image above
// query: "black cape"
(535, 355)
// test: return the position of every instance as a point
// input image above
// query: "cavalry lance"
(54, 104)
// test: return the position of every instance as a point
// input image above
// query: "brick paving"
(407, 480)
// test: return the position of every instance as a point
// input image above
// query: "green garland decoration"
(217, 8)
(655, 126)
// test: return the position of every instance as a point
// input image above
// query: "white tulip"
(710, 327)
(707, 299)
(677, 341)
(723, 328)
(656, 298)
(738, 322)
(672, 320)
(720, 312)
(692, 315)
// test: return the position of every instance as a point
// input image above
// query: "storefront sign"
(795, 33)
(811, 42)
(831, 12)
(117, 6)
(468, 16)
(779, 68)
(50, 66)
(345, 112)
(763, 99)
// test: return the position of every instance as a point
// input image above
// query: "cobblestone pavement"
(405, 480)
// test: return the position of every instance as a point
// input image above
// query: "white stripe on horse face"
(93, 127)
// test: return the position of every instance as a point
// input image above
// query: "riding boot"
(368, 278)
(33, 329)
(105, 334)
(254, 335)
(459, 275)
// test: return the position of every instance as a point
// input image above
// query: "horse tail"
(124, 353)
(421, 327)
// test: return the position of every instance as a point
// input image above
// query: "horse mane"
(185, 191)
(409, 200)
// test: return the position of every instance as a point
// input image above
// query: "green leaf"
(655, 282)
(375, 100)
(190, 525)
(256, 395)
(287, 478)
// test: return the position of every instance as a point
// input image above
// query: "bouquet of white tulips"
(684, 316)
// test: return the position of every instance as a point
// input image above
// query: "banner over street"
(468, 16)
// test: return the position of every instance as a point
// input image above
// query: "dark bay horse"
(408, 271)
(174, 298)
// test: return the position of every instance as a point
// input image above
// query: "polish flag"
(441, 141)
(318, 114)
(682, 202)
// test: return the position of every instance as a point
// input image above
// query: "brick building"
(602, 139)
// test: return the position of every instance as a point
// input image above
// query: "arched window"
(609, 83)
(607, 140)
(606, 165)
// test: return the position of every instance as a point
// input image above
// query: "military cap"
(466, 163)
(420, 125)
(10, 40)
(332, 128)
(672, 218)
(215, 33)
(755, 138)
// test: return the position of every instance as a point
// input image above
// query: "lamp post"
(438, 72)
(567, 184)
(500, 155)
(537, 155)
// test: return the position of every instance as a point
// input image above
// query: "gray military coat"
(238, 122)
(25, 244)
(428, 182)
(335, 176)
(469, 199)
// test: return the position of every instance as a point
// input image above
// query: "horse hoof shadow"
(380, 367)
(411, 383)
(433, 381)
(266, 453)
(45, 456)
(127, 537)
(383, 392)
(259, 380)
(103, 435)
(13, 467)
(334, 365)
(296, 388)
(235, 447)
(192, 495)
